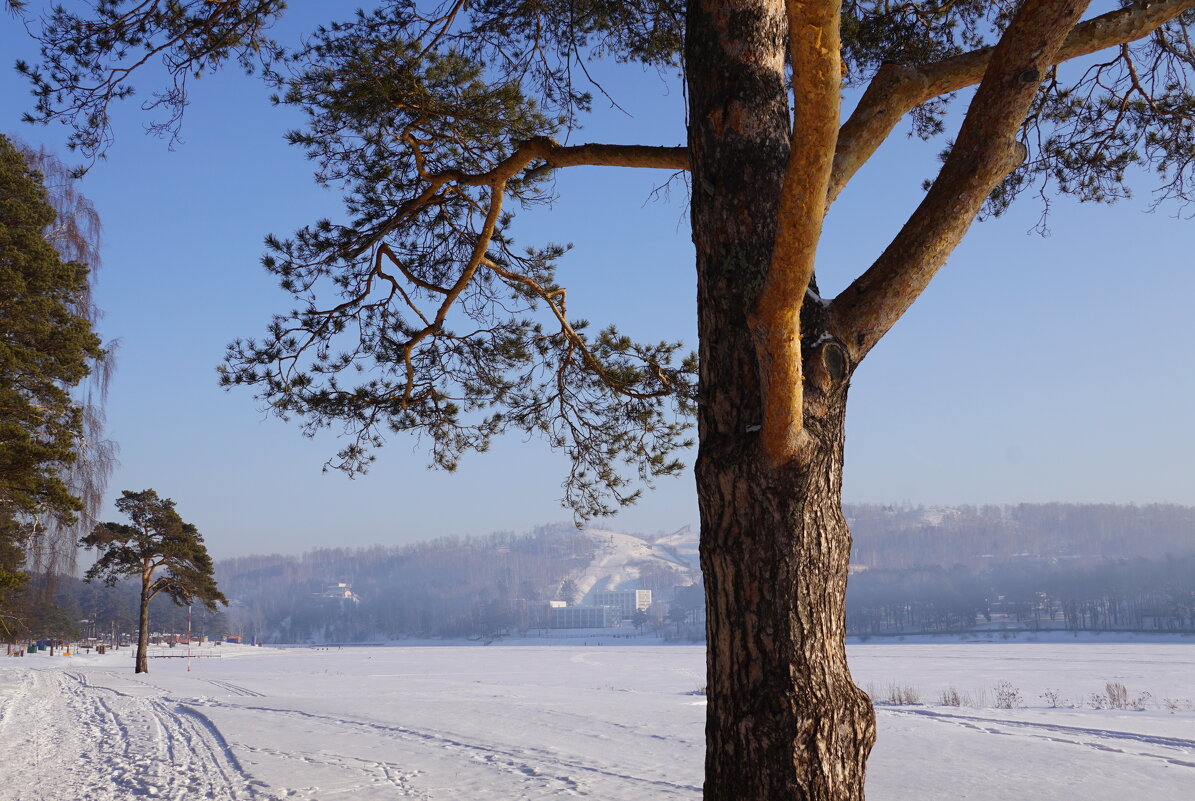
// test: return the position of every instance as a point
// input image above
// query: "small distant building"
(658, 611)
(582, 617)
(691, 599)
(341, 591)
(625, 602)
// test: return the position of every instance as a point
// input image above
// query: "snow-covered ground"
(611, 722)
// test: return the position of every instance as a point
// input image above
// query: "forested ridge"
(902, 536)
(447, 587)
(1101, 567)
(1123, 594)
(1078, 566)
(915, 568)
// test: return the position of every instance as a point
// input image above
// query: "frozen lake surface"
(616, 723)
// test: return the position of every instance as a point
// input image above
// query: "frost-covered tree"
(417, 312)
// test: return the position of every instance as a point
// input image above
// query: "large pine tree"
(417, 313)
(47, 347)
(12, 578)
(51, 547)
(160, 550)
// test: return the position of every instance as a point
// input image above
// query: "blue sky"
(1033, 369)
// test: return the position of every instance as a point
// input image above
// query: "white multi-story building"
(625, 602)
(582, 617)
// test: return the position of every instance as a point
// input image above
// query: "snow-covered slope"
(624, 561)
(681, 545)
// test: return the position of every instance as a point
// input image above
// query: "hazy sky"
(1033, 369)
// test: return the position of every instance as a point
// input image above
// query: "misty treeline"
(1091, 567)
(448, 587)
(1063, 566)
(979, 536)
(1118, 595)
(79, 610)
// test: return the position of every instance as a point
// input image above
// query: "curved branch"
(575, 339)
(482, 244)
(815, 54)
(897, 89)
(986, 151)
(541, 148)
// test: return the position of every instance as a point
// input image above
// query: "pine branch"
(985, 152)
(897, 89)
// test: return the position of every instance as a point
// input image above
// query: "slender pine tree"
(157, 540)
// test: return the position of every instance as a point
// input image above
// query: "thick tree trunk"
(143, 635)
(784, 720)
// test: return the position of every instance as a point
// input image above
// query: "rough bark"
(813, 47)
(143, 634)
(784, 719)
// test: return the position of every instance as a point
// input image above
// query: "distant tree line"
(1055, 565)
(897, 537)
(448, 587)
(79, 610)
(1117, 595)
(916, 570)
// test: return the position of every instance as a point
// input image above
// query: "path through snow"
(569, 721)
(67, 738)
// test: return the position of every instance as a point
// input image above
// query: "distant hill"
(1089, 567)
(980, 536)
(447, 587)
(631, 561)
(914, 568)
(907, 560)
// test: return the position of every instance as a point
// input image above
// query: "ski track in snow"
(68, 740)
(137, 742)
(542, 772)
(1098, 739)
(570, 722)
(235, 689)
(372, 774)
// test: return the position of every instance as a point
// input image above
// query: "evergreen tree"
(418, 313)
(47, 347)
(12, 578)
(51, 547)
(158, 540)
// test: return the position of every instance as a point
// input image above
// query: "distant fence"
(325, 644)
(177, 652)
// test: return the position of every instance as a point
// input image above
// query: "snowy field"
(611, 722)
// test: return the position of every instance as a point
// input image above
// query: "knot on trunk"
(835, 361)
(828, 369)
